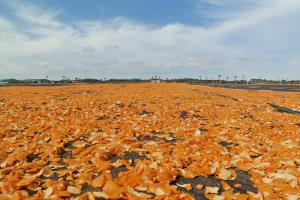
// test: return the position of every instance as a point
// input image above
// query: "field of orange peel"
(148, 141)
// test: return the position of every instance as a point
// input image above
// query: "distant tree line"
(200, 80)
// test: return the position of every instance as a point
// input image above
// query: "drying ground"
(275, 87)
(146, 141)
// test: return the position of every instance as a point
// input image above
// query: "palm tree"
(219, 78)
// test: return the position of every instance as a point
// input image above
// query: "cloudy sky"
(144, 38)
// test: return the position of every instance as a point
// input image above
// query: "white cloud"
(33, 14)
(39, 44)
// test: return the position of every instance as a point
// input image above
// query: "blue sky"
(154, 12)
(143, 38)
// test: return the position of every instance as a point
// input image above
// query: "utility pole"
(235, 79)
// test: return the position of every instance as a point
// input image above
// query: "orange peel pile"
(148, 141)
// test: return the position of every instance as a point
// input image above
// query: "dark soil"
(127, 156)
(31, 157)
(243, 178)
(284, 110)
(184, 114)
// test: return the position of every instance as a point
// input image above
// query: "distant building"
(155, 80)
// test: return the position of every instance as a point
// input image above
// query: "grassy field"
(145, 141)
